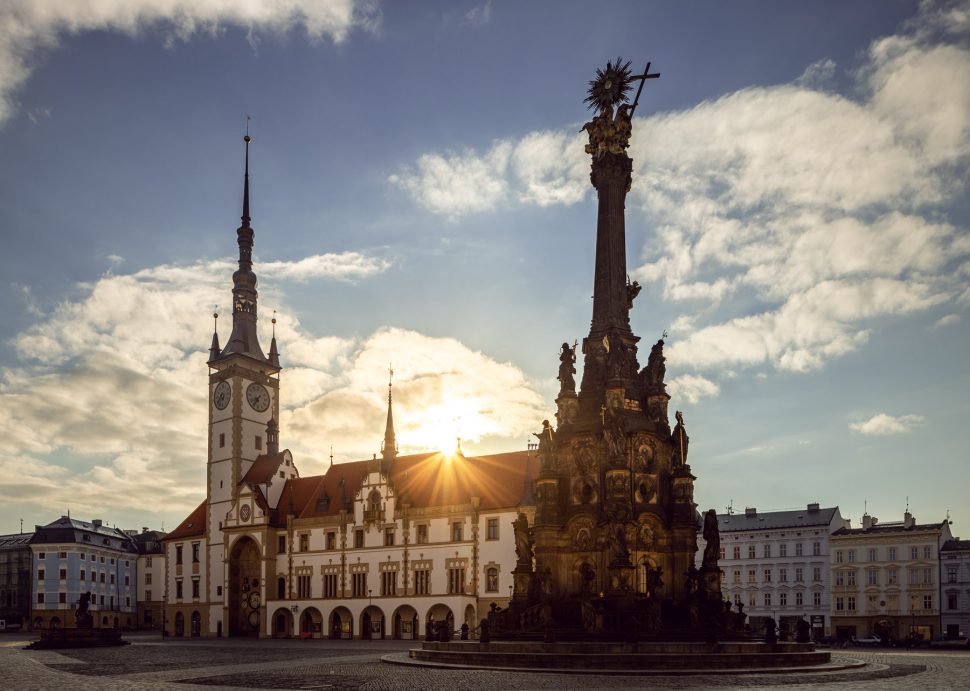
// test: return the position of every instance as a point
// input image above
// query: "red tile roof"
(433, 479)
(191, 526)
(262, 468)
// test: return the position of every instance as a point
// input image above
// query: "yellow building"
(885, 578)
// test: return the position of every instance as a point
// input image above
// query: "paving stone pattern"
(205, 664)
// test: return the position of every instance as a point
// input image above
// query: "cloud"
(692, 387)
(30, 27)
(947, 320)
(479, 15)
(887, 424)
(459, 184)
(347, 266)
(784, 220)
(109, 395)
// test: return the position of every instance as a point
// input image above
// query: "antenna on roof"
(907, 504)
(730, 508)
(331, 455)
(21, 525)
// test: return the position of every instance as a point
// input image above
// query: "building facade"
(71, 557)
(955, 588)
(15, 565)
(886, 578)
(379, 547)
(777, 564)
(150, 581)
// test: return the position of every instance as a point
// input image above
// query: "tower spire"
(243, 340)
(389, 448)
(214, 348)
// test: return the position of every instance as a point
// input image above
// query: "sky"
(799, 219)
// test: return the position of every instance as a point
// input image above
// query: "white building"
(955, 588)
(777, 564)
(150, 582)
(377, 547)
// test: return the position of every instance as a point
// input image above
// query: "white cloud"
(947, 320)
(347, 266)
(461, 183)
(785, 219)
(479, 15)
(110, 393)
(692, 387)
(29, 27)
(887, 424)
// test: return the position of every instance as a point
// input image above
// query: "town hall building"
(373, 548)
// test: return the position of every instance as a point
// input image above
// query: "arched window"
(375, 501)
(491, 580)
(281, 589)
(643, 571)
(196, 624)
(179, 624)
(55, 623)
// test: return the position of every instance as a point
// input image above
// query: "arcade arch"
(311, 623)
(438, 613)
(404, 623)
(282, 623)
(341, 623)
(372, 623)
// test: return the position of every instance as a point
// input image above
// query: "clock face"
(222, 394)
(258, 397)
(254, 600)
(254, 619)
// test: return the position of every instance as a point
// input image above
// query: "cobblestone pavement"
(208, 664)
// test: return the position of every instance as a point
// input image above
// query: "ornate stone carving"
(567, 410)
(585, 491)
(646, 488)
(585, 457)
(583, 534)
(652, 376)
(613, 431)
(643, 462)
(646, 539)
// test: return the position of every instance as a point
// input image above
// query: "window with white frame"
(892, 554)
(872, 555)
(798, 549)
(783, 574)
(850, 601)
(817, 549)
(839, 604)
(873, 577)
(817, 599)
(783, 549)
(783, 599)
(798, 598)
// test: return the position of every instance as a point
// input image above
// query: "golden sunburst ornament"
(610, 87)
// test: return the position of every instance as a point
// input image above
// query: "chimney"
(908, 520)
(866, 521)
(813, 508)
(750, 512)
(144, 530)
(96, 522)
